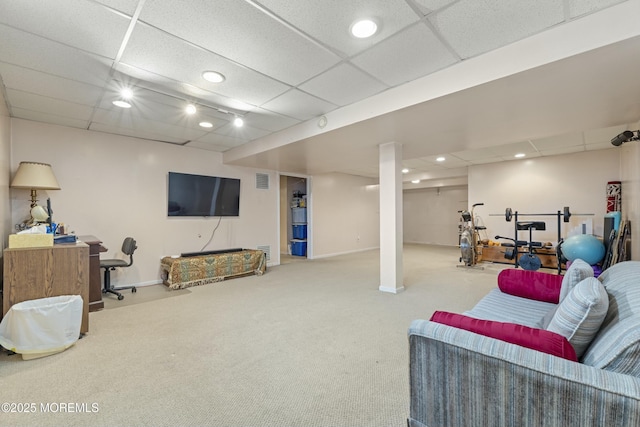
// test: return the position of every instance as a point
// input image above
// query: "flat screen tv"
(200, 195)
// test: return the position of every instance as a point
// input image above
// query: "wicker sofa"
(463, 378)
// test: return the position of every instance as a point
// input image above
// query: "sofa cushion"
(576, 273)
(617, 346)
(535, 339)
(535, 285)
(501, 307)
(581, 313)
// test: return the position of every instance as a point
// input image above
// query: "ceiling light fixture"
(206, 124)
(126, 93)
(405, 170)
(519, 155)
(121, 103)
(213, 76)
(416, 181)
(190, 109)
(364, 28)
(440, 159)
(625, 136)
(238, 122)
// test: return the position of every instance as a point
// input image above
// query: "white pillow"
(576, 273)
(580, 315)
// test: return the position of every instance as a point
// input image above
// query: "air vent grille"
(262, 181)
(266, 250)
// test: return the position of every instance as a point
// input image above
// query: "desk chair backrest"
(128, 248)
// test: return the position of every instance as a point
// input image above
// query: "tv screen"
(200, 195)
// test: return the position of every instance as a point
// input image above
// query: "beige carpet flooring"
(309, 343)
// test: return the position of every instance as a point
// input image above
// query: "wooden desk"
(33, 273)
(95, 284)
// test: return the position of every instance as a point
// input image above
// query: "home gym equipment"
(530, 260)
(584, 246)
(527, 259)
(469, 238)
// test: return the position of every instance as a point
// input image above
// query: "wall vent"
(266, 250)
(262, 181)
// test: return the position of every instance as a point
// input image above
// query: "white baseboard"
(391, 290)
(346, 252)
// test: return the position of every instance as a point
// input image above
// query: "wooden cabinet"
(32, 273)
(95, 283)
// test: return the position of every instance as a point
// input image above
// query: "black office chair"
(128, 248)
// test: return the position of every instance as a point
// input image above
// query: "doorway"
(294, 218)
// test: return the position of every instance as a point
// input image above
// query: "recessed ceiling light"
(416, 181)
(190, 109)
(206, 124)
(405, 170)
(519, 155)
(126, 93)
(364, 28)
(238, 122)
(440, 159)
(121, 103)
(213, 76)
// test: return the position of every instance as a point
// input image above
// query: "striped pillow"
(580, 314)
(576, 273)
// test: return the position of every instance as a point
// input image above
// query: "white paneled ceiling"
(287, 63)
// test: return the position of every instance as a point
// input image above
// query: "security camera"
(625, 136)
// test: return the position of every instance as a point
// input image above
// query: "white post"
(391, 272)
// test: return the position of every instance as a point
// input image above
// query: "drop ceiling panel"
(269, 47)
(49, 118)
(162, 54)
(269, 120)
(559, 141)
(597, 136)
(406, 56)
(428, 6)
(245, 133)
(125, 119)
(556, 151)
(320, 20)
(43, 104)
(473, 27)
(30, 51)
(144, 134)
(28, 80)
(125, 6)
(96, 29)
(343, 85)
(583, 7)
(299, 105)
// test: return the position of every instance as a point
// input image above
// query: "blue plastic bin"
(299, 231)
(299, 248)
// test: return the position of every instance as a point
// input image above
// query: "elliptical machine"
(469, 238)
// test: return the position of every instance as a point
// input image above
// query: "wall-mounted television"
(201, 195)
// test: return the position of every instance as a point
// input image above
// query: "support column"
(391, 271)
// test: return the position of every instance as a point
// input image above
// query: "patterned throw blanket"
(179, 273)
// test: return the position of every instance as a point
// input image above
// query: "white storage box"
(42, 327)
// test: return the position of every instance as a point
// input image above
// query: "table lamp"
(35, 176)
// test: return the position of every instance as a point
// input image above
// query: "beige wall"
(431, 214)
(545, 185)
(630, 177)
(346, 215)
(5, 173)
(114, 187)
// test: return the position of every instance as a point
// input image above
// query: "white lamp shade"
(33, 175)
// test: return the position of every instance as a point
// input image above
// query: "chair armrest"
(536, 285)
(459, 378)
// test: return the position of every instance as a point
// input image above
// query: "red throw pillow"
(535, 285)
(535, 339)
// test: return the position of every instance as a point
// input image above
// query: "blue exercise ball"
(583, 246)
